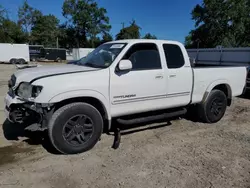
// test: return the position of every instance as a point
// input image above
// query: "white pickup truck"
(129, 81)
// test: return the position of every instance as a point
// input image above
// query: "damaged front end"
(34, 116)
(21, 108)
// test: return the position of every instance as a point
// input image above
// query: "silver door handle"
(159, 77)
(172, 75)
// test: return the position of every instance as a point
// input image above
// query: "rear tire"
(13, 61)
(21, 61)
(214, 108)
(59, 60)
(75, 128)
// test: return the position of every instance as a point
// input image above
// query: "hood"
(29, 74)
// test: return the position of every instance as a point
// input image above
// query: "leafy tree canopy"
(46, 36)
(27, 16)
(87, 25)
(87, 19)
(220, 22)
(11, 32)
(130, 32)
(149, 36)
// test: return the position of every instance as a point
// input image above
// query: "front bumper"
(28, 112)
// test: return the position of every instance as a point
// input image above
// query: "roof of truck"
(144, 40)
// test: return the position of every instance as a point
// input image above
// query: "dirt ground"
(180, 153)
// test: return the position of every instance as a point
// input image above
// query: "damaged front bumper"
(18, 110)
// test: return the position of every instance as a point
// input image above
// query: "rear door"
(179, 76)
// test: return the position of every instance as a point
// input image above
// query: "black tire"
(71, 121)
(214, 108)
(13, 61)
(58, 60)
(21, 61)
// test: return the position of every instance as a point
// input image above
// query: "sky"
(167, 19)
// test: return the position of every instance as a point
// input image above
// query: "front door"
(139, 88)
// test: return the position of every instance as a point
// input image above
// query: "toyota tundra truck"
(128, 81)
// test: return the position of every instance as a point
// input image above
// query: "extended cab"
(128, 81)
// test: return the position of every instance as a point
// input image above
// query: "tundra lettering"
(124, 96)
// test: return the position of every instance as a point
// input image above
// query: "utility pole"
(57, 42)
(123, 25)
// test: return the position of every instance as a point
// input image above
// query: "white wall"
(78, 53)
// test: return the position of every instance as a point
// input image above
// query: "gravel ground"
(180, 153)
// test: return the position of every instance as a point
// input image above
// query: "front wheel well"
(227, 90)
(92, 101)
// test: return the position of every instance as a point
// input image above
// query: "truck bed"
(235, 76)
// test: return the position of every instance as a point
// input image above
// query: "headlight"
(26, 90)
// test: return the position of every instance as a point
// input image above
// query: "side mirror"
(125, 65)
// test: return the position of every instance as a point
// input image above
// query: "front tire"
(214, 108)
(75, 128)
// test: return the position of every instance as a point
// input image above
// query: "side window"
(144, 56)
(174, 56)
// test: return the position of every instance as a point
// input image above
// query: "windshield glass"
(103, 56)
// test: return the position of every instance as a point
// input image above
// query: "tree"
(188, 41)
(94, 42)
(67, 36)
(149, 36)
(2, 14)
(107, 37)
(45, 30)
(27, 16)
(220, 22)
(87, 19)
(11, 32)
(130, 32)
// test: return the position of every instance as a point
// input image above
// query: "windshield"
(103, 56)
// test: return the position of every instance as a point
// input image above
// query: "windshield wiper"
(94, 65)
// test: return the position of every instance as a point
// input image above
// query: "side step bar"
(146, 119)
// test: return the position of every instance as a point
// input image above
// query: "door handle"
(172, 75)
(159, 76)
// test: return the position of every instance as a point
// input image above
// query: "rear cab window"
(174, 56)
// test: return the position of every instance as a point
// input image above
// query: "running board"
(146, 119)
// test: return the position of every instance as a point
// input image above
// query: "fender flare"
(213, 85)
(83, 93)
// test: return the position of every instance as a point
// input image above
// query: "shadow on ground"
(246, 95)
(13, 131)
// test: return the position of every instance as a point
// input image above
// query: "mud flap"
(117, 138)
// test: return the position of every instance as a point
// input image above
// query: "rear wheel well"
(92, 101)
(225, 89)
